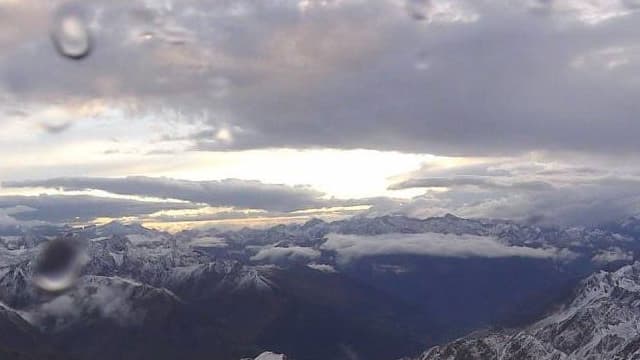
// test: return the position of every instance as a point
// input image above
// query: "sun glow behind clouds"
(339, 173)
(284, 93)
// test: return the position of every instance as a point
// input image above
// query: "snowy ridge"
(601, 323)
(268, 355)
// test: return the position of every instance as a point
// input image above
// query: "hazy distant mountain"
(20, 340)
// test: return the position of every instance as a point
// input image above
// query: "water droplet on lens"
(147, 35)
(71, 36)
(57, 266)
(423, 62)
(418, 9)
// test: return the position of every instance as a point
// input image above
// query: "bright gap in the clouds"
(337, 173)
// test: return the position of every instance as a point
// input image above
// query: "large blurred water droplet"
(57, 266)
(71, 36)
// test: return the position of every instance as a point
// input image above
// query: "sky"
(190, 113)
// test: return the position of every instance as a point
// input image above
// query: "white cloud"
(349, 247)
(604, 257)
(108, 298)
(293, 253)
(591, 12)
(441, 11)
(323, 267)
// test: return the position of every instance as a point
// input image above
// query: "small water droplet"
(57, 266)
(70, 35)
(147, 35)
(423, 62)
(418, 9)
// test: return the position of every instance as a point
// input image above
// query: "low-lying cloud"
(322, 267)
(293, 253)
(111, 299)
(350, 247)
(607, 256)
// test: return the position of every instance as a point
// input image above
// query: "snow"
(270, 356)
(599, 324)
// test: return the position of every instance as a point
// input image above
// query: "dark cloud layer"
(449, 77)
(234, 193)
(468, 78)
(79, 208)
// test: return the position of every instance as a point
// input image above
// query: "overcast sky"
(224, 111)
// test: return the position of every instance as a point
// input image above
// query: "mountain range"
(361, 288)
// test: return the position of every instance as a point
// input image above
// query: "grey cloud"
(565, 171)
(494, 168)
(503, 84)
(72, 208)
(223, 193)
(508, 82)
(349, 247)
(479, 182)
(552, 189)
(418, 9)
(270, 74)
(56, 128)
(585, 202)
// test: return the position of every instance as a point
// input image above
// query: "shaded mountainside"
(19, 340)
(602, 322)
(166, 302)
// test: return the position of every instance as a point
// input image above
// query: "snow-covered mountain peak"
(602, 322)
